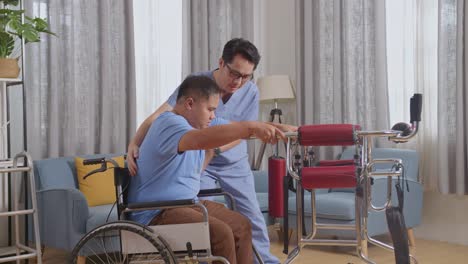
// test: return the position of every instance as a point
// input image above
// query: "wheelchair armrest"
(161, 204)
(219, 192)
(210, 192)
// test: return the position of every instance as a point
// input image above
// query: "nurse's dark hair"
(240, 46)
(198, 87)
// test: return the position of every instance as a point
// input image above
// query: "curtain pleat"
(452, 109)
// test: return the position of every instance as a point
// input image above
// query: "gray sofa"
(65, 216)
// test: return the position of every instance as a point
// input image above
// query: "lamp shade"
(275, 87)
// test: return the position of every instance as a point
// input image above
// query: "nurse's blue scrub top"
(242, 106)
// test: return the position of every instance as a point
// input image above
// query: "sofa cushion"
(98, 216)
(334, 205)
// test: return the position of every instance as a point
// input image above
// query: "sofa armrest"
(63, 214)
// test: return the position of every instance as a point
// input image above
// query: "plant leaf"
(7, 43)
(11, 11)
(11, 25)
(40, 24)
(29, 33)
(10, 2)
(3, 22)
(14, 24)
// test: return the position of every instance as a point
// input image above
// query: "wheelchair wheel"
(122, 242)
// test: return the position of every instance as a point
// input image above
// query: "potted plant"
(11, 29)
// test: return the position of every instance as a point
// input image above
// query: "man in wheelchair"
(172, 158)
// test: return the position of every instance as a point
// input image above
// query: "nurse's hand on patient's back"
(132, 155)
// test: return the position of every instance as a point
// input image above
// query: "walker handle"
(94, 161)
(416, 107)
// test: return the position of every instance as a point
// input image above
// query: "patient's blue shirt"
(164, 173)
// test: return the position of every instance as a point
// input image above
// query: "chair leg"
(81, 260)
(279, 232)
(364, 247)
(411, 239)
(290, 232)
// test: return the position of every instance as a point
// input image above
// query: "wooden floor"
(427, 252)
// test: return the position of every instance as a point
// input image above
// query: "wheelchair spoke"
(104, 245)
(116, 253)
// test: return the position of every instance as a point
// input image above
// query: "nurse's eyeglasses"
(237, 75)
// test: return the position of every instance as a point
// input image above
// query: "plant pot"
(9, 68)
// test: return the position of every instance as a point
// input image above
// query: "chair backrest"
(60, 173)
(409, 157)
(55, 173)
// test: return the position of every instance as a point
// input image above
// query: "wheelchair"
(124, 241)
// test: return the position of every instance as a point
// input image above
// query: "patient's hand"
(265, 132)
(132, 155)
(284, 127)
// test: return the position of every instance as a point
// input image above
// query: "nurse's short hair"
(243, 47)
(198, 87)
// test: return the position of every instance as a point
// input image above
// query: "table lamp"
(273, 88)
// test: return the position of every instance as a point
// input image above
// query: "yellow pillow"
(98, 188)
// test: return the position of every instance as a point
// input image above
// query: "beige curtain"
(451, 175)
(208, 25)
(341, 66)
